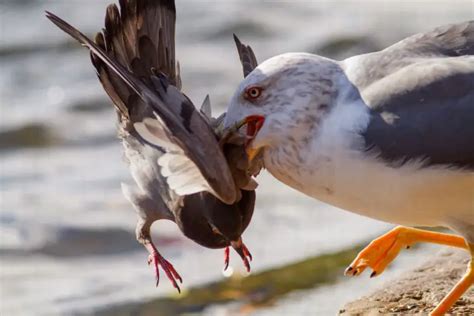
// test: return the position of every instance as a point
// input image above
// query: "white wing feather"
(181, 173)
(156, 133)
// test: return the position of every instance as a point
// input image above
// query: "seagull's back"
(421, 89)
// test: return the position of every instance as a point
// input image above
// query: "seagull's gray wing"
(199, 160)
(246, 55)
(421, 95)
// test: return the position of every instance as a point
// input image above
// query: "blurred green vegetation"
(32, 135)
(255, 290)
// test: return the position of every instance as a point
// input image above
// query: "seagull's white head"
(284, 99)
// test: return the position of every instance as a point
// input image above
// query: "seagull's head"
(283, 97)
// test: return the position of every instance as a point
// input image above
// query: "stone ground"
(418, 291)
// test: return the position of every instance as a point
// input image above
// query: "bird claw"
(247, 252)
(246, 257)
(378, 254)
(243, 252)
(226, 257)
(167, 267)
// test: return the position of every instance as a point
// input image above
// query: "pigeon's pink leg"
(246, 257)
(226, 257)
(243, 252)
(247, 252)
(157, 259)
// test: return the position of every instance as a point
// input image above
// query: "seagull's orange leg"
(459, 289)
(381, 251)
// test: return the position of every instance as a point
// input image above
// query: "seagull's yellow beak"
(252, 153)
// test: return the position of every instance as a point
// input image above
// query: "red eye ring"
(252, 93)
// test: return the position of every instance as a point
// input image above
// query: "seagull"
(185, 168)
(388, 135)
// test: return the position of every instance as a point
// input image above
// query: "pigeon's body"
(389, 135)
(174, 156)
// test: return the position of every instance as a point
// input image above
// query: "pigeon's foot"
(247, 252)
(243, 252)
(383, 250)
(246, 258)
(226, 257)
(157, 260)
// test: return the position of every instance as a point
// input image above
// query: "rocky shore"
(418, 291)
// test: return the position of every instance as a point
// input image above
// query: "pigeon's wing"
(139, 36)
(246, 55)
(421, 97)
(181, 122)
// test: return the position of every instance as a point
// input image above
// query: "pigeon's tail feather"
(139, 37)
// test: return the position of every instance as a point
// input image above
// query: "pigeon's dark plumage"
(174, 154)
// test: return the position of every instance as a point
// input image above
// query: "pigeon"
(388, 135)
(186, 168)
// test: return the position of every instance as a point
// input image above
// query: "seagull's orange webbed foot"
(383, 250)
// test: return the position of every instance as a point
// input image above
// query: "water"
(66, 233)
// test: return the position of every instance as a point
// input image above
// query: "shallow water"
(66, 233)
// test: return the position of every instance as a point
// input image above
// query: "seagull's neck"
(337, 135)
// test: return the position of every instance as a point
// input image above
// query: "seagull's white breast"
(334, 169)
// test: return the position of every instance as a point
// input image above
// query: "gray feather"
(421, 96)
(246, 55)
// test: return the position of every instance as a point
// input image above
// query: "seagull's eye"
(253, 93)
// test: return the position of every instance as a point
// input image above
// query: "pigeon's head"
(285, 96)
(214, 224)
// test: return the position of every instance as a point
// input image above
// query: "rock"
(420, 290)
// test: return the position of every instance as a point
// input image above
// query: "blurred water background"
(67, 242)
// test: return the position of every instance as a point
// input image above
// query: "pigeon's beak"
(254, 124)
(243, 252)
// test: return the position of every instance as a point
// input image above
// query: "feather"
(246, 55)
(206, 107)
(191, 132)
(155, 133)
